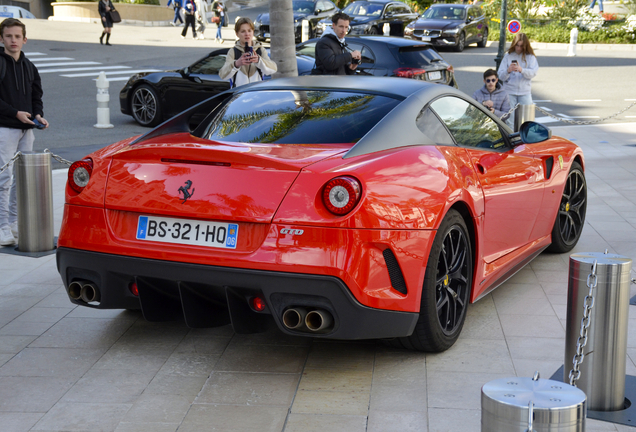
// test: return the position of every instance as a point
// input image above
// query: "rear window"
(418, 56)
(298, 117)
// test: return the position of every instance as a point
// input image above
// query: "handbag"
(114, 16)
(215, 20)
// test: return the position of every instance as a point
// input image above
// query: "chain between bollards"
(588, 304)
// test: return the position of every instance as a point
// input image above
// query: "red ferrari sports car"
(332, 207)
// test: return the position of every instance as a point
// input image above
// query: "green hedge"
(148, 2)
(559, 32)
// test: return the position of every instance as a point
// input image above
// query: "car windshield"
(421, 55)
(298, 117)
(363, 9)
(303, 7)
(445, 13)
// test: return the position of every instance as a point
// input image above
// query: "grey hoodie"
(499, 98)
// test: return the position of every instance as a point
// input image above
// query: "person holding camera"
(248, 60)
(492, 95)
(516, 71)
(332, 55)
(21, 110)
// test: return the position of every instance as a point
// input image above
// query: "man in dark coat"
(21, 110)
(332, 57)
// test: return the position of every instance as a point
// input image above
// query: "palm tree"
(283, 47)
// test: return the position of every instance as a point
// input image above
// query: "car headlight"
(410, 26)
(298, 23)
(257, 24)
(452, 31)
(408, 31)
(321, 25)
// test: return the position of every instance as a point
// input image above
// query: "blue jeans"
(177, 15)
(514, 100)
(218, 28)
(600, 5)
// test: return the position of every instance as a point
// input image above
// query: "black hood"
(264, 18)
(433, 24)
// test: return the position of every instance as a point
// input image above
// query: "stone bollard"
(574, 35)
(103, 111)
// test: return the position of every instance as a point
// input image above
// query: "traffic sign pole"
(502, 33)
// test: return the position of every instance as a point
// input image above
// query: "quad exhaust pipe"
(84, 291)
(299, 319)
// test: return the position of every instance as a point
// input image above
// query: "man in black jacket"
(332, 58)
(20, 111)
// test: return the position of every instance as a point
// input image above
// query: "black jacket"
(20, 90)
(331, 57)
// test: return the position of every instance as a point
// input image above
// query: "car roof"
(389, 40)
(375, 1)
(457, 5)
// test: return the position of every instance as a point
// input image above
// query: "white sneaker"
(173, 24)
(14, 229)
(6, 238)
(200, 37)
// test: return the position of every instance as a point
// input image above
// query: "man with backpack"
(332, 55)
(21, 110)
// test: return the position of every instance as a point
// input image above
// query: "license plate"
(426, 38)
(265, 34)
(187, 232)
(434, 75)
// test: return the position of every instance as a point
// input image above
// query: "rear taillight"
(408, 72)
(341, 194)
(450, 69)
(79, 174)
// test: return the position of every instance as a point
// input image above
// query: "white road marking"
(545, 109)
(587, 100)
(111, 73)
(99, 68)
(541, 101)
(70, 64)
(40, 60)
(34, 54)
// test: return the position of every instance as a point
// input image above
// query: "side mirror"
(184, 72)
(469, 20)
(531, 132)
(317, 11)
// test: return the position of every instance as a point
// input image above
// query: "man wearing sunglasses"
(493, 96)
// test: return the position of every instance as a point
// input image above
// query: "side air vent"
(395, 274)
(549, 164)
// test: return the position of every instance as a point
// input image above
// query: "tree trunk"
(283, 40)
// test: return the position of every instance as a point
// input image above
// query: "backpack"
(237, 54)
(3, 69)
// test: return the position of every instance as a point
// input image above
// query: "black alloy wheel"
(571, 216)
(446, 289)
(484, 39)
(461, 42)
(145, 106)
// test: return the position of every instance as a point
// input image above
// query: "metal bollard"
(103, 112)
(602, 375)
(574, 35)
(386, 29)
(34, 193)
(531, 404)
(304, 31)
(523, 113)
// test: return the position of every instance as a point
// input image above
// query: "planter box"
(87, 11)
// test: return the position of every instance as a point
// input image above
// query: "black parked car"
(394, 57)
(152, 97)
(312, 11)
(369, 17)
(450, 25)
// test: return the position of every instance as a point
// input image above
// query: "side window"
(391, 10)
(367, 54)
(472, 13)
(308, 50)
(320, 6)
(469, 126)
(429, 124)
(209, 65)
(328, 6)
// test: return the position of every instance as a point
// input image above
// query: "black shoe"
(101, 40)
(108, 43)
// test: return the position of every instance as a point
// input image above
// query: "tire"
(461, 43)
(446, 291)
(145, 106)
(571, 216)
(484, 39)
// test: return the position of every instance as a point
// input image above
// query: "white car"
(14, 12)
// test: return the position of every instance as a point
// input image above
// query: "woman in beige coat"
(247, 61)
